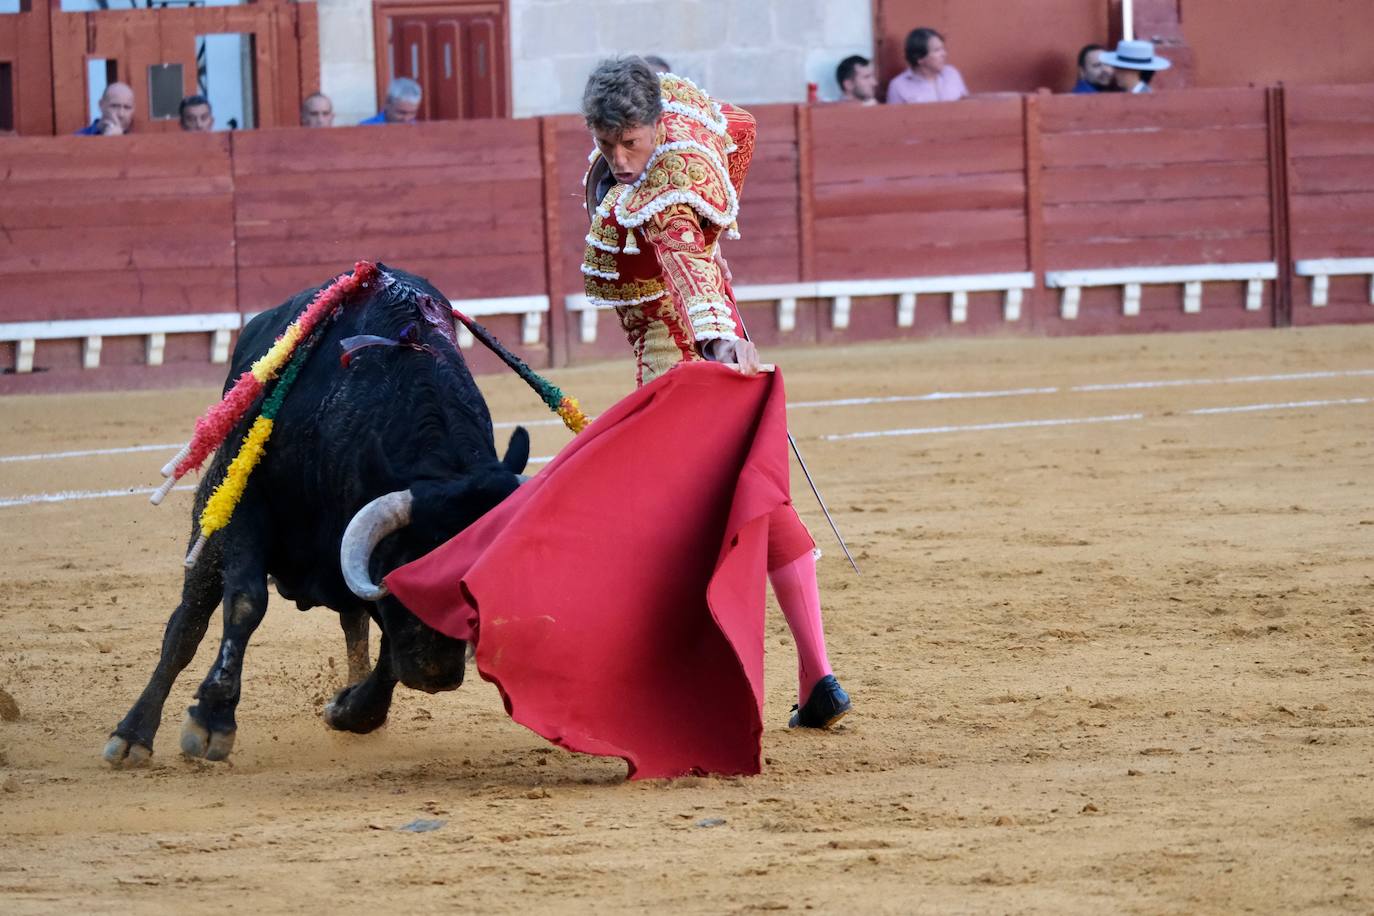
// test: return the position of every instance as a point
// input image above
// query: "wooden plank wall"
(918, 190)
(572, 144)
(166, 224)
(1162, 179)
(25, 45)
(1331, 191)
(768, 249)
(457, 202)
(97, 229)
(100, 229)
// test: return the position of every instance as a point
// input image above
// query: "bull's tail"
(564, 405)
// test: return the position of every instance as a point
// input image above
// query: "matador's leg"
(792, 571)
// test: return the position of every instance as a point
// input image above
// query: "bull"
(393, 447)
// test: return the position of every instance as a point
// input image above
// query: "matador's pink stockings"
(800, 599)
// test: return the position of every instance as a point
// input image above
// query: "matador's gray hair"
(621, 92)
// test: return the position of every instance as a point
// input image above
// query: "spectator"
(657, 64)
(196, 115)
(858, 82)
(116, 113)
(1094, 75)
(317, 111)
(402, 103)
(1136, 64)
(930, 79)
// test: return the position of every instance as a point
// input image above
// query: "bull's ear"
(518, 451)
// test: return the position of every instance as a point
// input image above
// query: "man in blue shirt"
(116, 113)
(1094, 75)
(402, 103)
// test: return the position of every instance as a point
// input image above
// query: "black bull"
(407, 417)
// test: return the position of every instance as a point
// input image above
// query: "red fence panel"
(768, 248)
(1331, 192)
(454, 202)
(460, 203)
(1166, 179)
(116, 227)
(182, 224)
(919, 190)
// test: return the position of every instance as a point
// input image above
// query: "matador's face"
(627, 151)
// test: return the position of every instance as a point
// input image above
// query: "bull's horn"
(376, 520)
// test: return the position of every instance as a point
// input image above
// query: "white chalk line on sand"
(69, 495)
(835, 402)
(982, 427)
(87, 452)
(1232, 380)
(837, 437)
(1078, 421)
(932, 396)
(1287, 405)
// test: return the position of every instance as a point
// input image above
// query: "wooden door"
(456, 52)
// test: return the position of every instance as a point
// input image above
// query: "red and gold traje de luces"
(651, 248)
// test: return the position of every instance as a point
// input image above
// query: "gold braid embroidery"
(693, 278)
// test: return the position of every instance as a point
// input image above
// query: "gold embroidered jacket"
(669, 292)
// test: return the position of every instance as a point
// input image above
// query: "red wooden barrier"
(114, 227)
(1177, 178)
(768, 250)
(1330, 136)
(25, 47)
(460, 203)
(918, 190)
(184, 224)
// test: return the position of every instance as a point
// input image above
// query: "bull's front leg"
(354, 622)
(363, 707)
(131, 744)
(210, 726)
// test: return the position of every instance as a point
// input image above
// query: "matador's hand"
(742, 352)
(724, 267)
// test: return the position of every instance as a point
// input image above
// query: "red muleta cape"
(617, 598)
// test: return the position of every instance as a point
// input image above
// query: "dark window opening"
(6, 96)
(164, 91)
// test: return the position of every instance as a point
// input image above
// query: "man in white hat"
(1135, 64)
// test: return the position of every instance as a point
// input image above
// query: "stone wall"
(348, 74)
(747, 51)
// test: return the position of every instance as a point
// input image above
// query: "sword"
(815, 491)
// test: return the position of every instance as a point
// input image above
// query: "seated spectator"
(402, 103)
(317, 111)
(196, 115)
(116, 113)
(1135, 64)
(930, 79)
(858, 82)
(1093, 74)
(657, 64)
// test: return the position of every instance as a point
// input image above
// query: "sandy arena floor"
(1124, 665)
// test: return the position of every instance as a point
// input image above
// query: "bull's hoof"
(349, 711)
(123, 754)
(199, 742)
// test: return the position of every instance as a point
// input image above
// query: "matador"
(663, 187)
